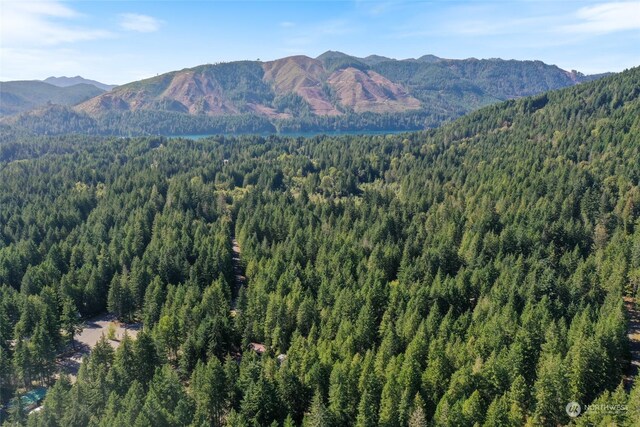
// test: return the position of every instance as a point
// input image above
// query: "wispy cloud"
(43, 23)
(378, 7)
(487, 20)
(485, 27)
(287, 24)
(313, 34)
(139, 23)
(336, 27)
(606, 18)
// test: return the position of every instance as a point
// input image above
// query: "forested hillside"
(19, 96)
(470, 275)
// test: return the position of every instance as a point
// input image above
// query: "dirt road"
(238, 273)
(633, 333)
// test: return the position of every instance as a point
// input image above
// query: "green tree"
(120, 300)
(418, 417)
(70, 321)
(550, 391)
(318, 414)
(17, 413)
(209, 389)
(146, 358)
(166, 403)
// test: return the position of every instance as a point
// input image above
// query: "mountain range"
(332, 84)
(332, 91)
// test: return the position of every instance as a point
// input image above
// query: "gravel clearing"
(93, 329)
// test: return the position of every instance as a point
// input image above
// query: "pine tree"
(292, 393)
(58, 401)
(518, 397)
(208, 384)
(153, 299)
(146, 358)
(498, 413)
(123, 372)
(550, 391)
(17, 413)
(343, 392)
(472, 409)
(166, 402)
(410, 373)
(370, 395)
(70, 321)
(5, 373)
(43, 353)
(418, 417)
(167, 335)
(288, 422)
(260, 401)
(318, 415)
(120, 301)
(231, 376)
(22, 363)
(390, 398)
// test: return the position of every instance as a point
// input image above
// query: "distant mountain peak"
(64, 81)
(333, 54)
(429, 58)
(375, 59)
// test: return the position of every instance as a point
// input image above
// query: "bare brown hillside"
(301, 75)
(369, 91)
(188, 91)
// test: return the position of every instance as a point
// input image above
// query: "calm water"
(301, 134)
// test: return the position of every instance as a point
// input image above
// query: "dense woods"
(470, 275)
(60, 120)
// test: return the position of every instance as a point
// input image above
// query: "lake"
(300, 134)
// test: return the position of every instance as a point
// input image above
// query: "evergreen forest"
(470, 275)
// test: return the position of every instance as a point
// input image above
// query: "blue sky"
(121, 41)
